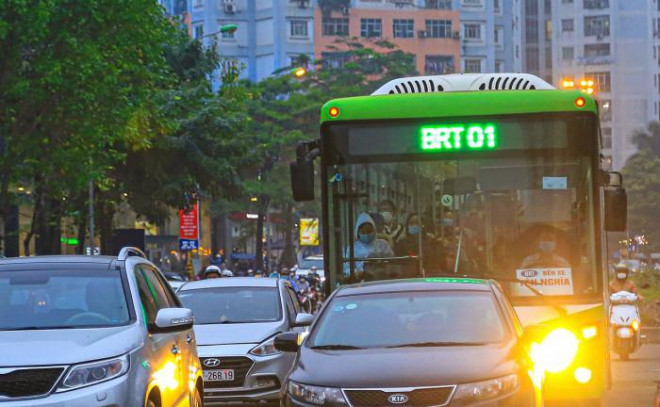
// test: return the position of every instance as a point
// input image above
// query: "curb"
(651, 335)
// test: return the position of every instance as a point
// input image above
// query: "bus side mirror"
(616, 209)
(302, 180)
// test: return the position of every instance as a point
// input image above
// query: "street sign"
(309, 231)
(187, 244)
(189, 228)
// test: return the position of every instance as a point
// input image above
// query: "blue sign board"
(187, 244)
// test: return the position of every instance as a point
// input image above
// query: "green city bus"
(486, 175)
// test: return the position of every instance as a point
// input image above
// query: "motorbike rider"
(621, 281)
(212, 272)
(303, 284)
(285, 275)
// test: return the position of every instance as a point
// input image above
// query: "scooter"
(625, 322)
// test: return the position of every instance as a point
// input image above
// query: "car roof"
(61, 259)
(417, 284)
(314, 257)
(230, 282)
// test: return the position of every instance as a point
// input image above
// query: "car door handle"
(189, 338)
(175, 349)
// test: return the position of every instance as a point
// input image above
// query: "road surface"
(635, 380)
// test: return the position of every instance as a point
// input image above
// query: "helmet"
(622, 271)
(227, 273)
(212, 269)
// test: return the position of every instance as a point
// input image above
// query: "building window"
(472, 3)
(602, 81)
(532, 31)
(596, 4)
(606, 133)
(531, 7)
(598, 26)
(335, 26)
(567, 1)
(547, 6)
(498, 36)
(567, 53)
(404, 28)
(371, 27)
(439, 64)
(548, 57)
(439, 4)
(472, 32)
(198, 31)
(596, 50)
(532, 60)
(299, 29)
(472, 65)
(335, 60)
(438, 28)
(198, 3)
(496, 6)
(606, 110)
(567, 25)
(499, 66)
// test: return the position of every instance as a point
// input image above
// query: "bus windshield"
(508, 198)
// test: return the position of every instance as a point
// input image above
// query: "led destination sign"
(459, 137)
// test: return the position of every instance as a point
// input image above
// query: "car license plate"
(224, 375)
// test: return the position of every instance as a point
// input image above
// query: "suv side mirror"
(302, 180)
(616, 209)
(172, 320)
(303, 319)
(287, 342)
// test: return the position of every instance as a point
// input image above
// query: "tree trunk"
(288, 258)
(48, 227)
(105, 210)
(263, 208)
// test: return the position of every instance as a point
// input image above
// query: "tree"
(286, 110)
(73, 74)
(642, 186)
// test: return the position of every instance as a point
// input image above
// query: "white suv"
(94, 331)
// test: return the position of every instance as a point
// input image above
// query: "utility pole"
(91, 246)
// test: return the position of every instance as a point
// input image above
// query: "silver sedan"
(236, 320)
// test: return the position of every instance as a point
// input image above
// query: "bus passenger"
(391, 227)
(366, 244)
(432, 249)
(546, 256)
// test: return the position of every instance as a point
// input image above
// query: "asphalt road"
(635, 380)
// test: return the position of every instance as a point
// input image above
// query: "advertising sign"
(309, 231)
(189, 228)
(549, 281)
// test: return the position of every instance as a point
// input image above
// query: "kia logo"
(397, 398)
(529, 273)
(213, 362)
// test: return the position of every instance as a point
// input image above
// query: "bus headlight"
(556, 352)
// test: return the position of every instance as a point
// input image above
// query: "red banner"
(189, 223)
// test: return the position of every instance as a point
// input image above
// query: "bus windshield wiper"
(336, 347)
(436, 344)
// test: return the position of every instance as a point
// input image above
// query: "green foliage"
(643, 186)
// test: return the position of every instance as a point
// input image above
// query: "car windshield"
(410, 319)
(224, 305)
(308, 264)
(57, 299)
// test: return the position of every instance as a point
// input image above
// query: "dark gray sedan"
(423, 342)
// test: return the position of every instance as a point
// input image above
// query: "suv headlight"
(489, 389)
(266, 348)
(88, 374)
(316, 395)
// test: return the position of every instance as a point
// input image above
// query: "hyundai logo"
(212, 362)
(529, 273)
(397, 398)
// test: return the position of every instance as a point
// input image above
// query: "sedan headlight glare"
(486, 390)
(266, 348)
(88, 374)
(556, 352)
(316, 395)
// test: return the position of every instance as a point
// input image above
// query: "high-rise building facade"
(536, 34)
(429, 29)
(610, 42)
(271, 34)
(486, 35)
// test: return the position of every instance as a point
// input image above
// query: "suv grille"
(427, 397)
(240, 364)
(29, 382)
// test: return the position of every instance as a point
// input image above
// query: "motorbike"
(625, 322)
(305, 302)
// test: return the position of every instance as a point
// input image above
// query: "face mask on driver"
(621, 276)
(547, 247)
(366, 237)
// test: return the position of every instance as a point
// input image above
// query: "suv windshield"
(227, 305)
(55, 299)
(410, 319)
